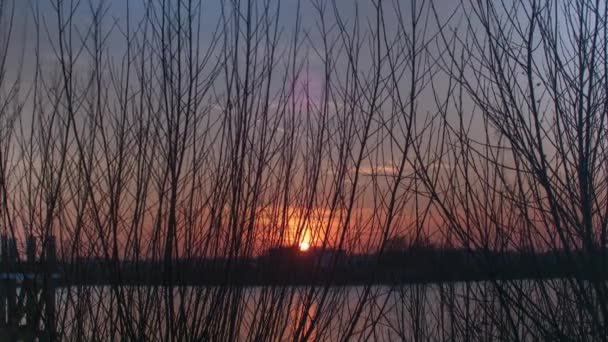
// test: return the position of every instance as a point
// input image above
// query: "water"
(483, 311)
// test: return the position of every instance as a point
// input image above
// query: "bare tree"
(171, 138)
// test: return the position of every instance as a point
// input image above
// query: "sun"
(304, 246)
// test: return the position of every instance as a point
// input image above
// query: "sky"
(334, 133)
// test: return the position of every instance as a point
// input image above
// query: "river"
(485, 311)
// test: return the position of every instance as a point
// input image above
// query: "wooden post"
(31, 289)
(11, 292)
(31, 249)
(50, 287)
(9, 330)
(4, 280)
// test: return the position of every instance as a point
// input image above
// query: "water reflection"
(463, 311)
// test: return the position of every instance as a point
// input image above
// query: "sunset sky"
(326, 146)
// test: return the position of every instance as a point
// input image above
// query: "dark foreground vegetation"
(174, 142)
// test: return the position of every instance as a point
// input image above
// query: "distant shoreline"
(412, 267)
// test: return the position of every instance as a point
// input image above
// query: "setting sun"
(304, 246)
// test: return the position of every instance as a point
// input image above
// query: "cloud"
(381, 170)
